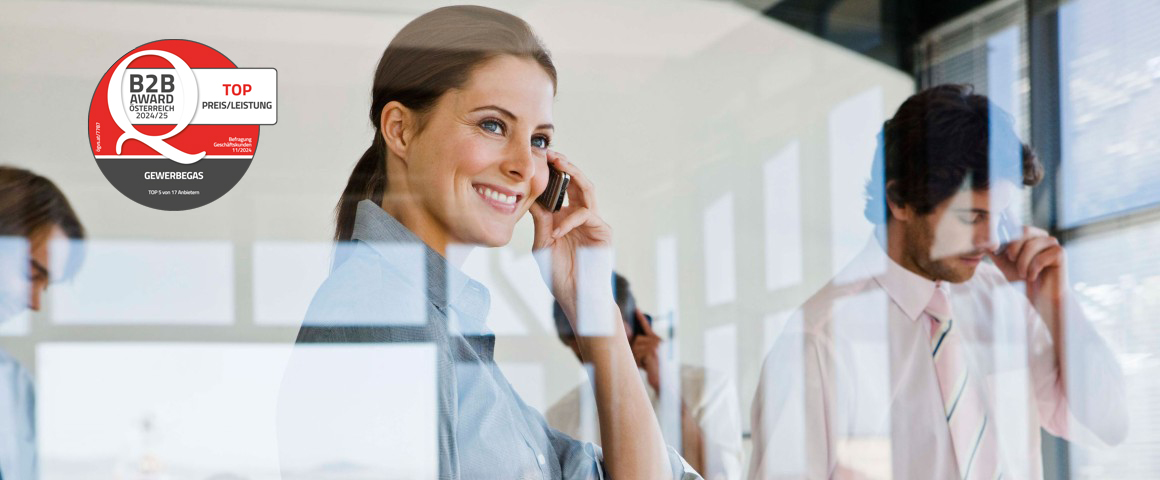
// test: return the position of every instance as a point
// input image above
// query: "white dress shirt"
(850, 389)
(712, 403)
(18, 459)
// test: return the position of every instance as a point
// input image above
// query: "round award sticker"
(174, 124)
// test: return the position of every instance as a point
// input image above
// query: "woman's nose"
(520, 163)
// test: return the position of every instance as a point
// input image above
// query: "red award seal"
(173, 124)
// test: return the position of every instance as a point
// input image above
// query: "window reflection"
(109, 410)
(853, 129)
(150, 282)
(720, 267)
(783, 219)
(340, 411)
(1117, 277)
(286, 275)
(1109, 53)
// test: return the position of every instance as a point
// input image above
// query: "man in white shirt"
(920, 360)
(709, 409)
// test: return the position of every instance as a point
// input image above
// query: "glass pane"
(1110, 89)
(1117, 278)
(149, 282)
(286, 275)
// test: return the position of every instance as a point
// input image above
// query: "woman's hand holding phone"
(574, 234)
(573, 248)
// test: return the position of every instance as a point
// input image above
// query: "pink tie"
(972, 434)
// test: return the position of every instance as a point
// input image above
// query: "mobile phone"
(1008, 230)
(553, 196)
(637, 329)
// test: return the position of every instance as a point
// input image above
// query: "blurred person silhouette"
(462, 105)
(710, 415)
(36, 224)
(945, 346)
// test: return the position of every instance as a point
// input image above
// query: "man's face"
(39, 267)
(949, 242)
(27, 266)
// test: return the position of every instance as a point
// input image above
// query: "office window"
(1109, 64)
(1110, 90)
(986, 48)
(1117, 278)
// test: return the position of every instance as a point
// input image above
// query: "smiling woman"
(440, 53)
(462, 108)
(465, 170)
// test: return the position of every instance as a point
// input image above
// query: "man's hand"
(645, 350)
(1038, 260)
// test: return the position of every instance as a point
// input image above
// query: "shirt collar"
(909, 290)
(446, 285)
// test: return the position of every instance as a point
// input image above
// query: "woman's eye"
(492, 126)
(541, 142)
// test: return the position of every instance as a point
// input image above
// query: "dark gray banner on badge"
(167, 185)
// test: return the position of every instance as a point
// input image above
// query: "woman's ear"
(397, 126)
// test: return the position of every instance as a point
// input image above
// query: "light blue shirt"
(485, 430)
(17, 421)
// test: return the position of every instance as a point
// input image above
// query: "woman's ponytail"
(368, 180)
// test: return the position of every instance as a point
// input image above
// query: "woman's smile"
(501, 199)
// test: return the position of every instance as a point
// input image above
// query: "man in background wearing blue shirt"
(36, 220)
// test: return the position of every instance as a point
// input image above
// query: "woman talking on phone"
(462, 109)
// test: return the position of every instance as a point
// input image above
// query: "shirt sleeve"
(584, 460)
(719, 417)
(18, 456)
(790, 414)
(1090, 407)
(32, 456)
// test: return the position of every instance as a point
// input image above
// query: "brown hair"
(938, 138)
(432, 54)
(29, 203)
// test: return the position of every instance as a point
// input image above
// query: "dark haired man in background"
(710, 412)
(923, 358)
(35, 221)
